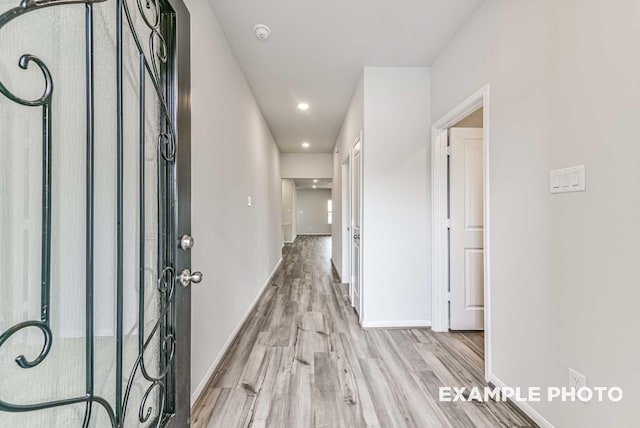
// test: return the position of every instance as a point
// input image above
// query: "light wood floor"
(301, 360)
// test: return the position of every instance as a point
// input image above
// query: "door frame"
(346, 224)
(439, 215)
(357, 141)
(181, 87)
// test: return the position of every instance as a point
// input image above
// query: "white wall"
(392, 106)
(306, 165)
(233, 157)
(351, 127)
(288, 210)
(396, 224)
(311, 211)
(564, 91)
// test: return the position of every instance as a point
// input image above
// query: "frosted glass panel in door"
(45, 260)
(62, 373)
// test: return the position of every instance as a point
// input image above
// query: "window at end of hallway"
(329, 211)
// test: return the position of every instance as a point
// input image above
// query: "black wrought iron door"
(94, 213)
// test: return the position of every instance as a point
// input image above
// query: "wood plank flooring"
(302, 360)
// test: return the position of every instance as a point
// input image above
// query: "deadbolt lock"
(187, 242)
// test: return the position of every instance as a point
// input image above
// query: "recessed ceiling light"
(306, 145)
(315, 181)
(314, 187)
(303, 106)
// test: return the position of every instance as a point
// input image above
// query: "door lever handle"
(187, 278)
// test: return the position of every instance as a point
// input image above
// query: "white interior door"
(467, 226)
(356, 216)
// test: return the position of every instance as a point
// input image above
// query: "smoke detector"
(262, 32)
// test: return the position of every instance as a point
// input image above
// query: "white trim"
(315, 234)
(212, 369)
(396, 324)
(440, 251)
(288, 242)
(524, 406)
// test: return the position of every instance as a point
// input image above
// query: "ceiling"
(317, 50)
(320, 183)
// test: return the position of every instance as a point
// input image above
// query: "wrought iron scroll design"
(150, 67)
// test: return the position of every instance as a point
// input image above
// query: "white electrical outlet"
(248, 201)
(577, 380)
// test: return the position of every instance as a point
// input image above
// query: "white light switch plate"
(567, 180)
(248, 201)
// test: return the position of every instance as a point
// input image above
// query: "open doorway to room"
(466, 224)
(346, 227)
(460, 223)
(355, 209)
(314, 207)
(307, 208)
(351, 224)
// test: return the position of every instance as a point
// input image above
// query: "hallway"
(301, 360)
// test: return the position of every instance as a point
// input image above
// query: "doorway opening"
(307, 207)
(346, 227)
(460, 212)
(351, 227)
(355, 221)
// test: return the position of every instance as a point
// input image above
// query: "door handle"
(187, 278)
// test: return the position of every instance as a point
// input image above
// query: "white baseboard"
(336, 269)
(212, 369)
(523, 405)
(287, 242)
(396, 324)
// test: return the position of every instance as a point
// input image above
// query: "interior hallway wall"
(392, 106)
(396, 223)
(233, 157)
(311, 211)
(351, 127)
(564, 91)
